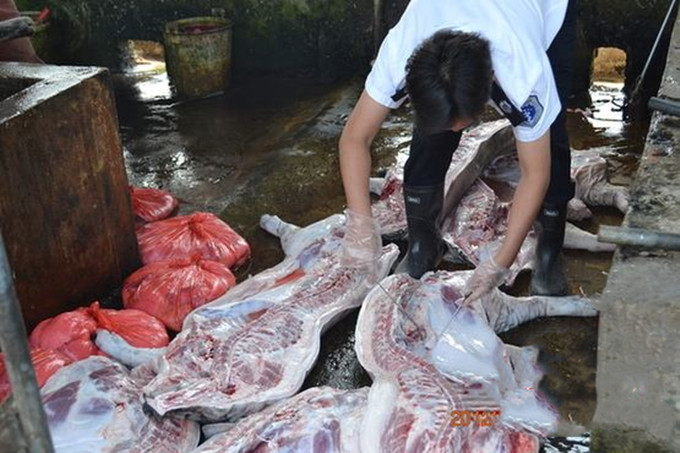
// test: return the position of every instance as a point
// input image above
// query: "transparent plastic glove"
(361, 245)
(486, 277)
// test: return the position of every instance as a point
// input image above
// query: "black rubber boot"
(425, 246)
(548, 277)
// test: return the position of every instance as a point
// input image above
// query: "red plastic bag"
(151, 205)
(46, 362)
(138, 328)
(170, 290)
(72, 333)
(69, 333)
(200, 234)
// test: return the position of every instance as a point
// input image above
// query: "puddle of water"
(270, 146)
(606, 113)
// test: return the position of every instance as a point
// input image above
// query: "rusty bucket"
(198, 55)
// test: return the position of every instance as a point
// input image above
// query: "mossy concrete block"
(615, 440)
(321, 36)
(638, 372)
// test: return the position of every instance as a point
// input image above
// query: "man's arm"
(534, 161)
(355, 151)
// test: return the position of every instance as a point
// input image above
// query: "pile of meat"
(443, 381)
(188, 261)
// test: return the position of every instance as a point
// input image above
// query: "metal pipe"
(639, 237)
(638, 83)
(18, 363)
(664, 105)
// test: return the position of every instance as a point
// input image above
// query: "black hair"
(449, 78)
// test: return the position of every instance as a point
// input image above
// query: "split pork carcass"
(487, 151)
(589, 172)
(478, 147)
(255, 345)
(97, 406)
(445, 383)
(479, 225)
(318, 420)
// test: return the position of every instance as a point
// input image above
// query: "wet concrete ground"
(270, 146)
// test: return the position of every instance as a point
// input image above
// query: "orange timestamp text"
(476, 418)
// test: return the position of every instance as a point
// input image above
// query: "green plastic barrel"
(198, 55)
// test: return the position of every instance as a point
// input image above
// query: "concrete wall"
(332, 37)
(638, 370)
(632, 26)
(297, 36)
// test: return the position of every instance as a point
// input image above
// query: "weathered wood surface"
(65, 209)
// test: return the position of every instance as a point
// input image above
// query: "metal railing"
(27, 401)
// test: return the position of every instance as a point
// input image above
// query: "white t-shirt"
(519, 33)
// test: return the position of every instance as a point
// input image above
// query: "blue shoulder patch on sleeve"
(532, 111)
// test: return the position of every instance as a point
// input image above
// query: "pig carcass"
(97, 406)
(255, 345)
(442, 380)
(318, 420)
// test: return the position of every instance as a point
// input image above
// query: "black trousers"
(430, 155)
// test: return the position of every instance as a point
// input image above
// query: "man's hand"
(486, 277)
(361, 245)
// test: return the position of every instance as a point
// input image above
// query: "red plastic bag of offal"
(170, 290)
(200, 234)
(72, 333)
(69, 333)
(152, 205)
(138, 328)
(46, 362)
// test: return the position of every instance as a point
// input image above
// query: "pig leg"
(578, 239)
(505, 312)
